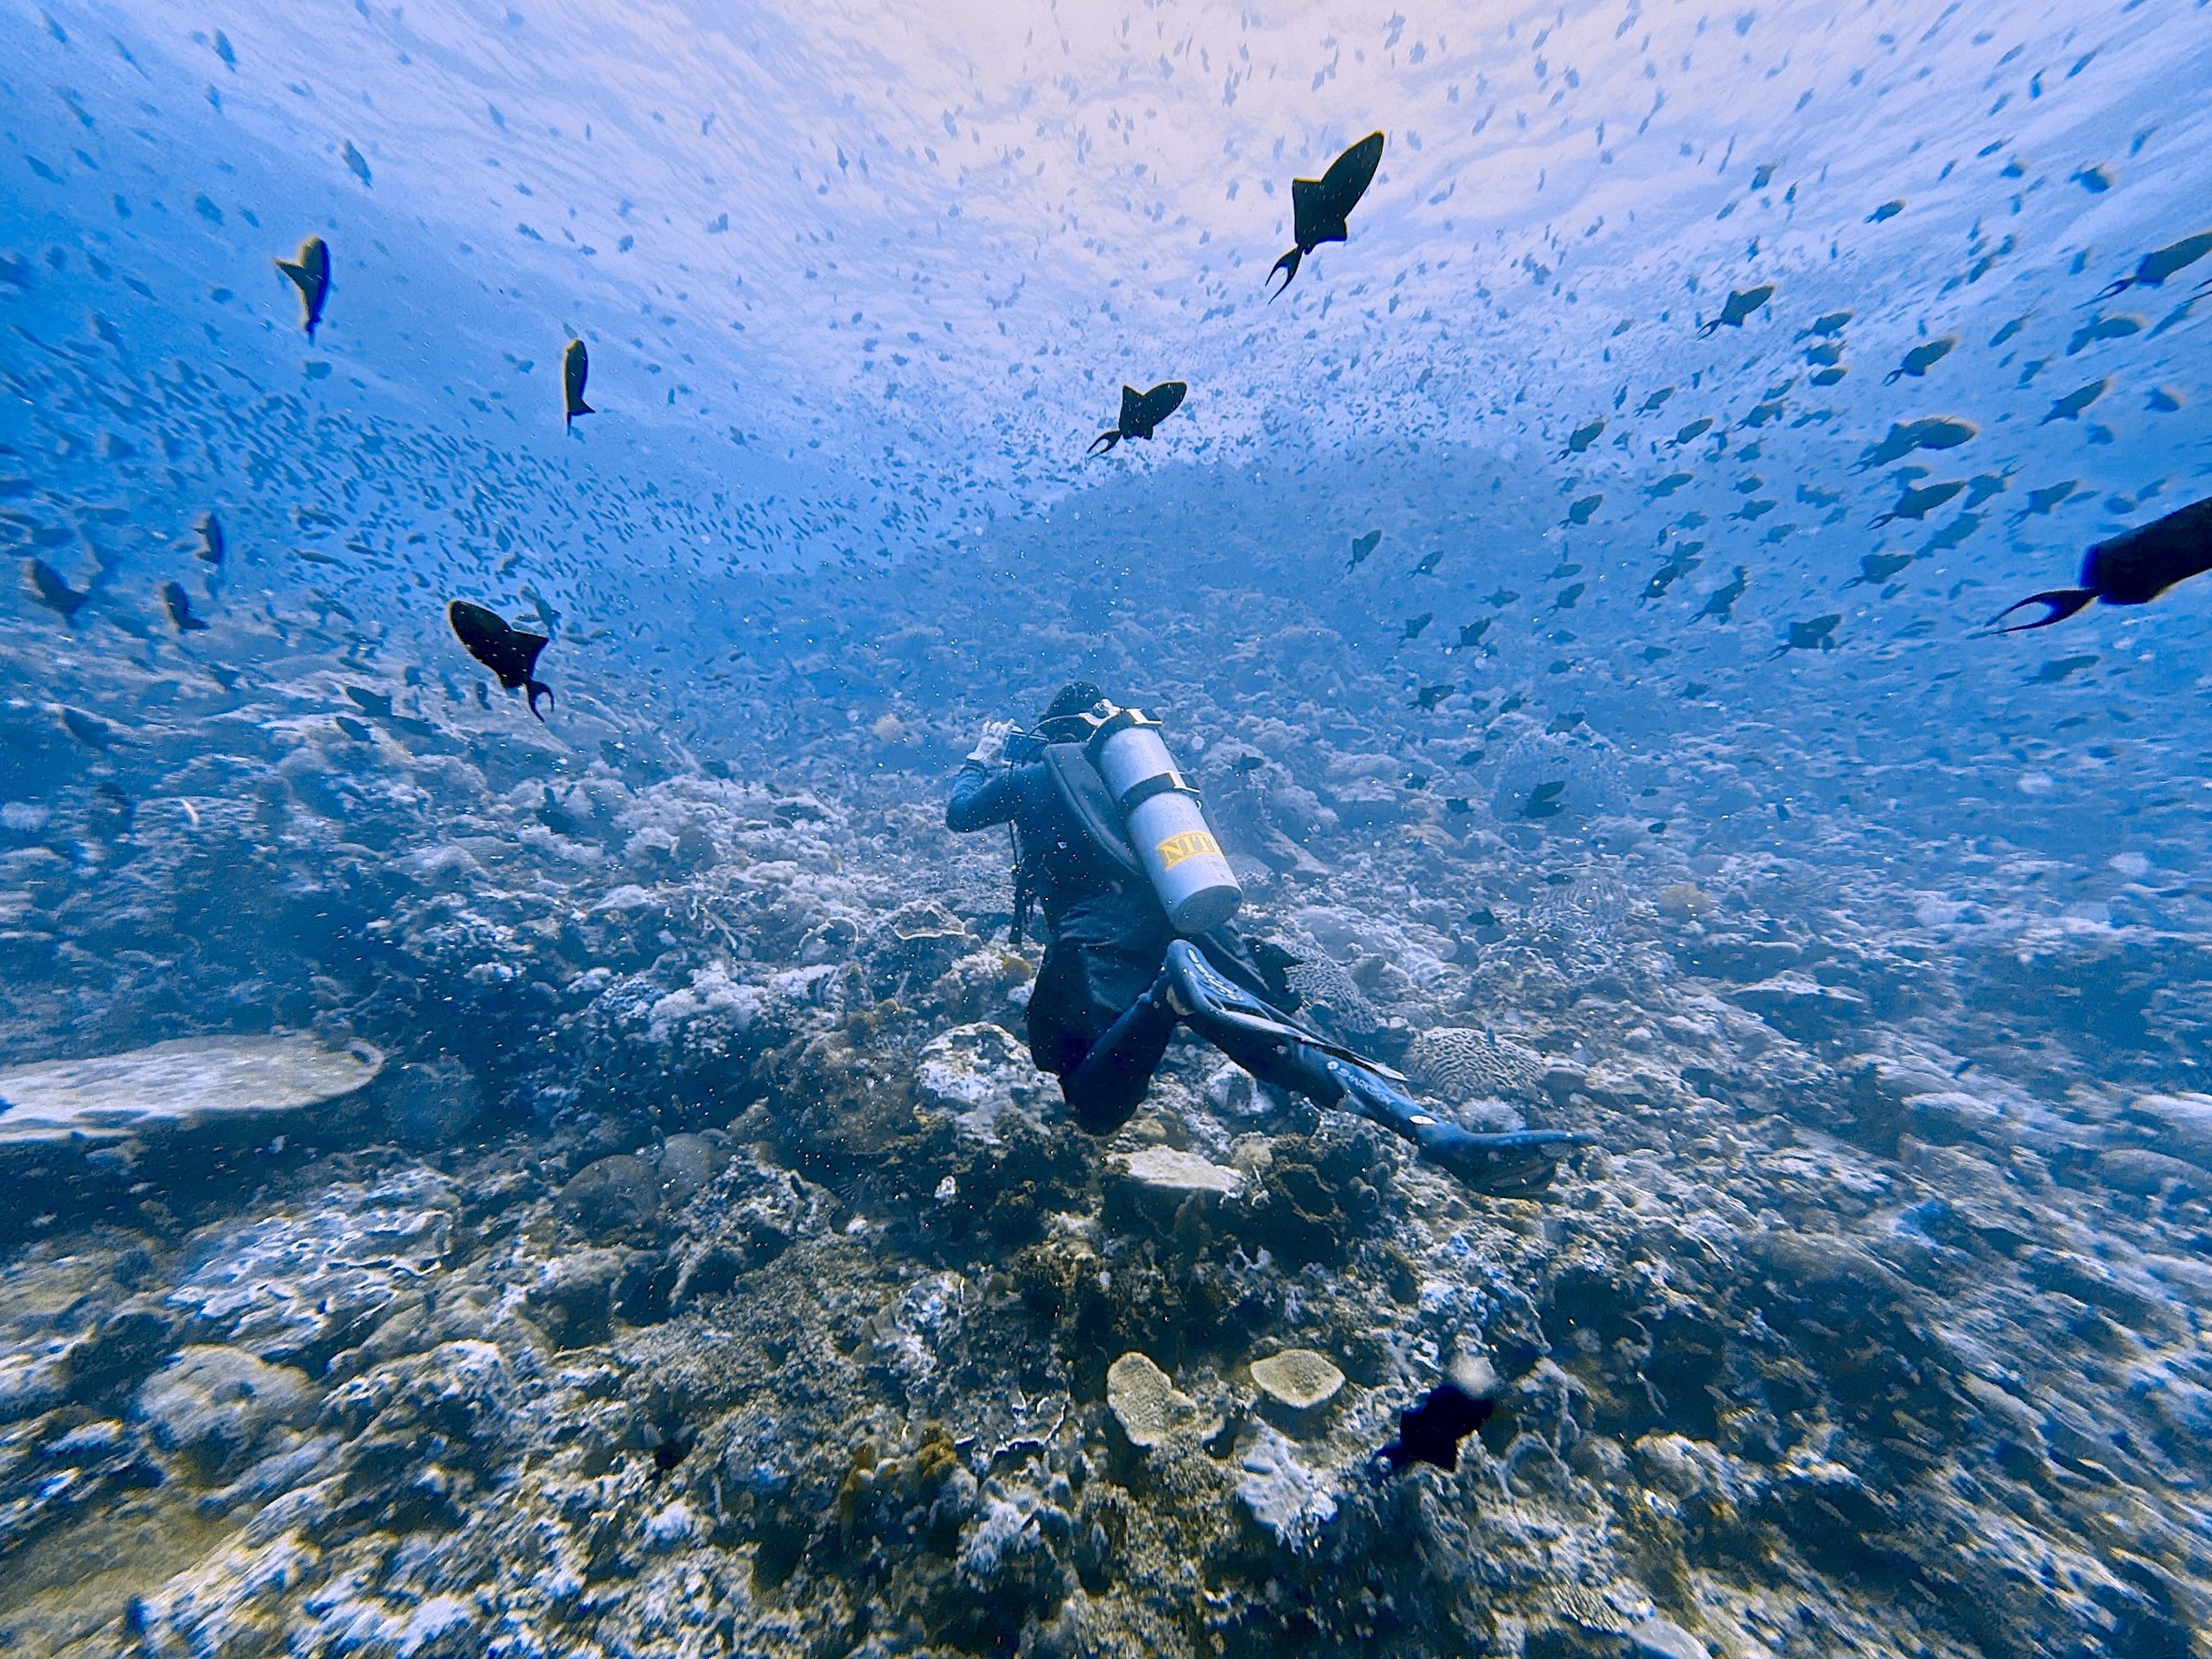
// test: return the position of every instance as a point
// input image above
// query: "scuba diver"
(1112, 845)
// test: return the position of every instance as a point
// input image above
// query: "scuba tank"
(1166, 824)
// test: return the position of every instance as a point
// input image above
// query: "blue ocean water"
(1571, 595)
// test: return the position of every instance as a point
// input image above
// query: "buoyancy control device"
(1162, 819)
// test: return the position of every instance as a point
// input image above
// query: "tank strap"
(1091, 808)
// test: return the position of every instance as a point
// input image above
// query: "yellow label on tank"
(1190, 844)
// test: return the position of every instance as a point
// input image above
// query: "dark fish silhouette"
(2132, 569)
(1935, 433)
(1429, 697)
(1414, 624)
(1918, 503)
(1318, 206)
(1828, 326)
(1876, 568)
(1583, 437)
(1889, 210)
(575, 370)
(1362, 546)
(1722, 603)
(311, 274)
(2070, 407)
(2154, 268)
(1815, 635)
(1920, 359)
(1471, 634)
(1427, 566)
(507, 652)
(1140, 412)
(1543, 802)
(52, 591)
(1579, 513)
(180, 607)
(1741, 304)
(212, 545)
(1696, 429)
(376, 702)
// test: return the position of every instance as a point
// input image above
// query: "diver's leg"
(1102, 1089)
(1238, 1025)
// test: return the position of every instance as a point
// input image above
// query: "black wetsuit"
(1106, 939)
(1102, 1011)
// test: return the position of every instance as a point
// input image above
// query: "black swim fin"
(2059, 603)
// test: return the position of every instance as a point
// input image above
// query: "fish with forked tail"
(510, 653)
(1319, 207)
(1141, 412)
(310, 272)
(2130, 569)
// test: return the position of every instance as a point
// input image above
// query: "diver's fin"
(1104, 441)
(1288, 262)
(1211, 1002)
(1516, 1164)
(2059, 603)
(2120, 286)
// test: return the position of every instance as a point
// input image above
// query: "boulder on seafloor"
(1179, 1174)
(1285, 1496)
(1147, 1405)
(1297, 1377)
(979, 1073)
(212, 1404)
(176, 1085)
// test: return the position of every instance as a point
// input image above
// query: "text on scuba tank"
(1190, 844)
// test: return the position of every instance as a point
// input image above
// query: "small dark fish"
(1579, 513)
(1721, 604)
(1815, 635)
(52, 591)
(1918, 503)
(2051, 673)
(2007, 332)
(507, 652)
(88, 729)
(1827, 327)
(1583, 437)
(1427, 566)
(1319, 206)
(1889, 210)
(353, 728)
(1982, 486)
(1741, 304)
(1920, 359)
(2070, 407)
(1429, 697)
(2154, 268)
(1953, 535)
(1430, 1432)
(1414, 624)
(1672, 572)
(1667, 486)
(2133, 568)
(1876, 568)
(575, 370)
(1935, 433)
(1567, 596)
(1457, 803)
(2042, 500)
(1362, 546)
(211, 544)
(2100, 328)
(1246, 764)
(1695, 429)
(1501, 599)
(1140, 412)
(179, 606)
(1471, 634)
(311, 274)
(376, 702)
(1543, 800)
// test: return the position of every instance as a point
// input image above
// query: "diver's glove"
(990, 747)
